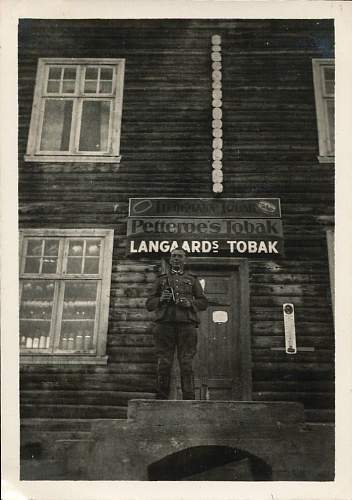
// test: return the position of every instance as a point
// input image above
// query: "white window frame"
(29, 356)
(326, 153)
(33, 152)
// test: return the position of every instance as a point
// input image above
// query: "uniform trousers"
(168, 337)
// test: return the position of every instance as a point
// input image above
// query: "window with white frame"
(77, 109)
(64, 294)
(324, 87)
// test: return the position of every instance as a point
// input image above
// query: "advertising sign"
(205, 207)
(205, 226)
(236, 248)
(209, 228)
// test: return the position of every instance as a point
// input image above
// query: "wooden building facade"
(187, 109)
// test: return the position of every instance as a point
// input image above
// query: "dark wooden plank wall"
(270, 149)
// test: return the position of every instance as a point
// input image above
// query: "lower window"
(64, 295)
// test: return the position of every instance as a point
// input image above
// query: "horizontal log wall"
(270, 149)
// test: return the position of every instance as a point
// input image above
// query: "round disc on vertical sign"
(216, 124)
(216, 39)
(216, 75)
(216, 56)
(217, 113)
(217, 165)
(217, 154)
(217, 132)
(217, 187)
(217, 143)
(216, 66)
(217, 176)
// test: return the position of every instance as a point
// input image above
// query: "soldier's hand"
(183, 302)
(166, 296)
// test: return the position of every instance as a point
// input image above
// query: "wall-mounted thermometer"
(290, 329)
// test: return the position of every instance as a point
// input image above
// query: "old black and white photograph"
(176, 200)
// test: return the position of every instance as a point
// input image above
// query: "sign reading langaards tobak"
(205, 226)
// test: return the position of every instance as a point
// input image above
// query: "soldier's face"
(177, 259)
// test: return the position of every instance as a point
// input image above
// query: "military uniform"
(176, 327)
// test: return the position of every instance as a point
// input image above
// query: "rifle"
(171, 287)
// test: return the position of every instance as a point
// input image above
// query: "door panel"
(216, 364)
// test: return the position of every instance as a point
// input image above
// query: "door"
(221, 365)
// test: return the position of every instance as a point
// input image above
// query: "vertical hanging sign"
(290, 329)
(217, 174)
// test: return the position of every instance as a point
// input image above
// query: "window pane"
(54, 79)
(51, 247)
(91, 265)
(34, 247)
(91, 80)
(90, 86)
(51, 250)
(70, 74)
(55, 73)
(56, 125)
(48, 258)
(329, 74)
(76, 248)
(68, 86)
(78, 316)
(91, 73)
(93, 248)
(105, 87)
(106, 73)
(75, 255)
(35, 314)
(94, 126)
(331, 123)
(74, 265)
(35, 334)
(42, 290)
(49, 265)
(81, 291)
(32, 265)
(76, 336)
(53, 87)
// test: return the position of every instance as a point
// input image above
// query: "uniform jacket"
(185, 285)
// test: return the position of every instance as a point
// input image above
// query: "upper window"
(324, 87)
(77, 110)
(64, 294)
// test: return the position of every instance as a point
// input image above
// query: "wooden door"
(218, 364)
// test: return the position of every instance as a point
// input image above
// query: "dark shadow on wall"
(212, 463)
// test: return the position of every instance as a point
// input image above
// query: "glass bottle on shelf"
(79, 341)
(86, 342)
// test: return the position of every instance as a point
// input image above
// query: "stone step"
(204, 412)
(57, 424)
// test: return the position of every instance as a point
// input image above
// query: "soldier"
(176, 297)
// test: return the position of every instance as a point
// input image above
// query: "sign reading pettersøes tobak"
(205, 226)
(205, 207)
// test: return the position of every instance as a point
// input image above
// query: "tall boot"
(163, 387)
(187, 384)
